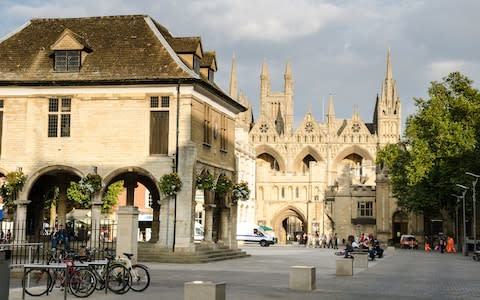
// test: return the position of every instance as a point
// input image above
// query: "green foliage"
(170, 184)
(12, 184)
(78, 195)
(91, 184)
(440, 144)
(110, 198)
(206, 182)
(224, 185)
(240, 191)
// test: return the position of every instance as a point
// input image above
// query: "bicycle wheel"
(118, 279)
(140, 278)
(82, 283)
(99, 271)
(36, 282)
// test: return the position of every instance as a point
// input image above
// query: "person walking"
(443, 242)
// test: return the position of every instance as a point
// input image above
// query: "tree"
(440, 143)
(81, 198)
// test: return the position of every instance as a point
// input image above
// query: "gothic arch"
(279, 218)
(274, 153)
(353, 149)
(307, 150)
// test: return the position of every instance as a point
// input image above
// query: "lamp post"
(464, 248)
(474, 183)
(456, 220)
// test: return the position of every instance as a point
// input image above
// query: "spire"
(288, 79)
(264, 73)
(389, 73)
(233, 79)
(330, 110)
(264, 88)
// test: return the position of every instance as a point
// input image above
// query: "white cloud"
(267, 20)
(438, 69)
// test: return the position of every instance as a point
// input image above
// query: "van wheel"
(263, 243)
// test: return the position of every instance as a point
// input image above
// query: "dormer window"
(67, 60)
(196, 64)
(210, 75)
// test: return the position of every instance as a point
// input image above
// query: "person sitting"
(428, 248)
(378, 249)
(348, 250)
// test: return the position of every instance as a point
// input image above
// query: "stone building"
(321, 177)
(121, 97)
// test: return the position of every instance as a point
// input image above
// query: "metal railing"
(29, 248)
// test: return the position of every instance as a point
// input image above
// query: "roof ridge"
(91, 17)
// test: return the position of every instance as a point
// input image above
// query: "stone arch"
(38, 188)
(357, 155)
(284, 231)
(33, 177)
(272, 152)
(353, 149)
(307, 150)
(131, 176)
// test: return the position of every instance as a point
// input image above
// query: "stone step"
(151, 253)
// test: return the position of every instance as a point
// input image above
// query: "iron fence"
(33, 246)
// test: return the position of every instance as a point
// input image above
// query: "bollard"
(204, 290)
(5, 273)
(302, 278)
(390, 250)
(360, 260)
(344, 267)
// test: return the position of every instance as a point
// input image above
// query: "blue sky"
(335, 47)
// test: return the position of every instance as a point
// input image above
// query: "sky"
(335, 47)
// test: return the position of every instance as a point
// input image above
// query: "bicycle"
(80, 282)
(140, 276)
(114, 276)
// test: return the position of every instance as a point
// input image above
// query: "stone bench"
(344, 267)
(360, 259)
(302, 278)
(204, 290)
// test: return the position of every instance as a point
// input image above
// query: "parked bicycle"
(79, 281)
(115, 276)
(140, 276)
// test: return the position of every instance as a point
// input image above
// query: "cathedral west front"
(321, 177)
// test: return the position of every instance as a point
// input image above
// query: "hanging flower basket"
(91, 184)
(240, 191)
(224, 185)
(206, 182)
(170, 184)
(13, 183)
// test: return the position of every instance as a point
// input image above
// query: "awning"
(265, 228)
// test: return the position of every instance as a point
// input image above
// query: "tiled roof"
(122, 48)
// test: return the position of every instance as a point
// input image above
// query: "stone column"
(127, 232)
(130, 184)
(62, 201)
(207, 227)
(20, 222)
(166, 222)
(95, 217)
(155, 222)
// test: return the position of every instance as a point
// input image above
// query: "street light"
(456, 220)
(464, 248)
(474, 183)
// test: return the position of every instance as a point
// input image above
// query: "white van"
(198, 236)
(252, 233)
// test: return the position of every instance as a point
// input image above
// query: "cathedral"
(320, 178)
